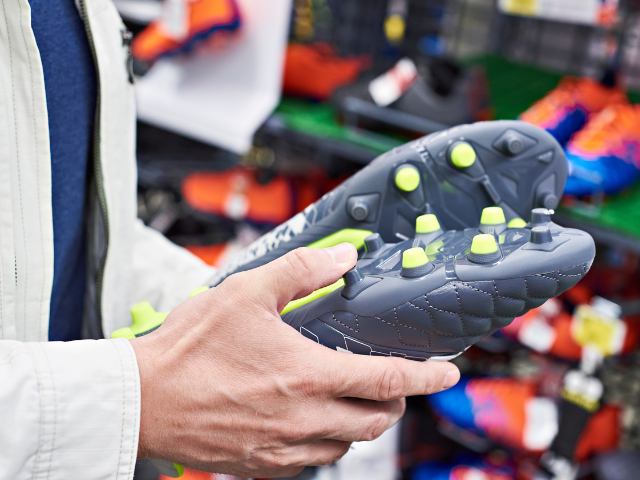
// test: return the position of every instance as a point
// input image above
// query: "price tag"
(599, 328)
(587, 12)
(527, 8)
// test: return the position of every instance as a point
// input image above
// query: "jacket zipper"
(97, 169)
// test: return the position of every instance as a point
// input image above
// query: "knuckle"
(308, 385)
(295, 433)
(335, 454)
(376, 427)
(291, 471)
(342, 451)
(272, 460)
(391, 384)
(300, 261)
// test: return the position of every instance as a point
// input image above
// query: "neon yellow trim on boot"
(492, 216)
(427, 223)
(484, 244)
(516, 223)
(353, 236)
(313, 296)
(414, 257)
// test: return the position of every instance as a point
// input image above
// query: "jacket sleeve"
(68, 410)
(164, 273)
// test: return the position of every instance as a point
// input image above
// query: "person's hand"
(228, 387)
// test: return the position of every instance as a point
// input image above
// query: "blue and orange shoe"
(186, 24)
(505, 410)
(605, 155)
(509, 412)
(565, 109)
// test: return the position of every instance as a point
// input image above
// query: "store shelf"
(321, 120)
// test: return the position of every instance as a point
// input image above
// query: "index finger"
(386, 378)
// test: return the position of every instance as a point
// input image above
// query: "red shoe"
(550, 329)
(315, 71)
(181, 31)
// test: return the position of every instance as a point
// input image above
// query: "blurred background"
(250, 110)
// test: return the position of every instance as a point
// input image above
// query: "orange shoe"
(564, 110)
(184, 25)
(237, 194)
(315, 71)
(190, 474)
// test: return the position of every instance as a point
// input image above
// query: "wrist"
(145, 371)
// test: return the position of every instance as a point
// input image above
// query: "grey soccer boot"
(433, 297)
(453, 174)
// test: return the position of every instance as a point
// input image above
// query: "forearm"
(69, 410)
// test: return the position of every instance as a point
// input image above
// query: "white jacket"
(71, 410)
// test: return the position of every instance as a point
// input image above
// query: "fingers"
(357, 420)
(299, 273)
(387, 378)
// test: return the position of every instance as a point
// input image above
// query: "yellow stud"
(492, 216)
(517, 223)
(142, 312)
(427, 223)
(407, 179)
(463, 155)
(414, 257)
(484, 244)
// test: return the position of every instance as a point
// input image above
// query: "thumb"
(300, 272)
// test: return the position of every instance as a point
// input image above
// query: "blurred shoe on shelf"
(185, 24)
(565, 109)
(551, 329)
(239, 194)
(315, 71)
(505, 410)
(509, 412)
(436, 89)
(604, 157)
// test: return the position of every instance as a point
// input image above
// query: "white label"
(541, 423)
(538, 335)
(175, 18)
(390, 86)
